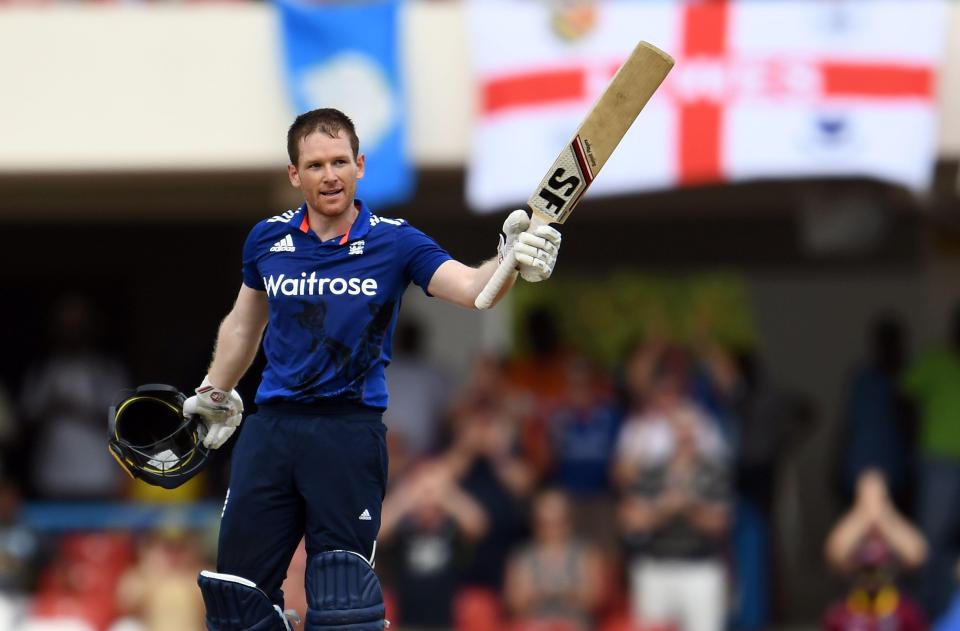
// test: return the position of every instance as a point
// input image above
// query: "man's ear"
(294, 176)
(361, 165)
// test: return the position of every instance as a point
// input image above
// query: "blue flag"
(346, 56)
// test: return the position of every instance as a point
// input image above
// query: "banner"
(761, 89)
(346, 56)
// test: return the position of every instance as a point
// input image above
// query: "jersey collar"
(359, 229)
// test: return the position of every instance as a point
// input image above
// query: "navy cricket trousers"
(314, 471)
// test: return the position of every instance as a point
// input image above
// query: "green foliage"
(602, 317)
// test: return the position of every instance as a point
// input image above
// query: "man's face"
(327, 173)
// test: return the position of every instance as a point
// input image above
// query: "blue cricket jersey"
(333, 304)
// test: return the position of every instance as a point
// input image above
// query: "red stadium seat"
(477, 609)
(393, 612)
(82, 581)
(543, 625)
(97, 612)
(112, 549)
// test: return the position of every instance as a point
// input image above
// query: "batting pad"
(236, 604)
(343, 593)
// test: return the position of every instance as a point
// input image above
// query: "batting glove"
(221, 412)
(515, 223)
(536, 251)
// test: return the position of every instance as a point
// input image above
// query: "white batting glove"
(221, 412)
(536, 251)
(515, 223)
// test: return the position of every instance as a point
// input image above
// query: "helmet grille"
(150, 438)
(153, 425)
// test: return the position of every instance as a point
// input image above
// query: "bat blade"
(580, 161)
(599, 134)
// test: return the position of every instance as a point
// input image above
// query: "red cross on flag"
(761, 89)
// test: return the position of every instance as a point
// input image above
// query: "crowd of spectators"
(541, 492)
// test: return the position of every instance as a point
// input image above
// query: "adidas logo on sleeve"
(284, 245)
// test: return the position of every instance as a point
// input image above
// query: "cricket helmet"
(152, 440)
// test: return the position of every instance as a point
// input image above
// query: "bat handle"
(503, 273)
(506, 269)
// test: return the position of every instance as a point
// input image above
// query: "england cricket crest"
(573, 20)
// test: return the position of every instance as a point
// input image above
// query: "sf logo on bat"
(559, 189)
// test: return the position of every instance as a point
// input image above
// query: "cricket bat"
(581, 160)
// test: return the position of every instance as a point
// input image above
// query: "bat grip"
(506, 269)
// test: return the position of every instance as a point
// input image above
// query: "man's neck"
(329, 227)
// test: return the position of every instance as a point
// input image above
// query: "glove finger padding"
(515, 223)
(536, 253)
(534, 270)
(191, 407)
(534, 242)
(195, 406)
(234, 420)
(217, 434)
(549, 233)
(529, 252)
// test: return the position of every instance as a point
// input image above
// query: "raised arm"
(874, 513)
(461, 284)
(536, 252)
(238, 338)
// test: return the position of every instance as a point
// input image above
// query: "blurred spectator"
(429, 520)
(160, 590)
(20, 557)
(419, 394)
(19, 545)
(583, 431)
(873, 516)
(485, 382)
(716, 385)
(675, 514)
(772, 423)
(637, 372)
(932, 380)
(483, 458)
(950, 621)
(65, 400)
(556, 580)
(538, 381)
(870, 544)
(9, 435)
(541, 372)
(878, 422)
(648, 435)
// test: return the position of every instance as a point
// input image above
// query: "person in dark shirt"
(428, 520)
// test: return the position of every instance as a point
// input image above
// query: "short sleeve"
(421, 256)
(251, 275)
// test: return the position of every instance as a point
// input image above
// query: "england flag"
(761, 89)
